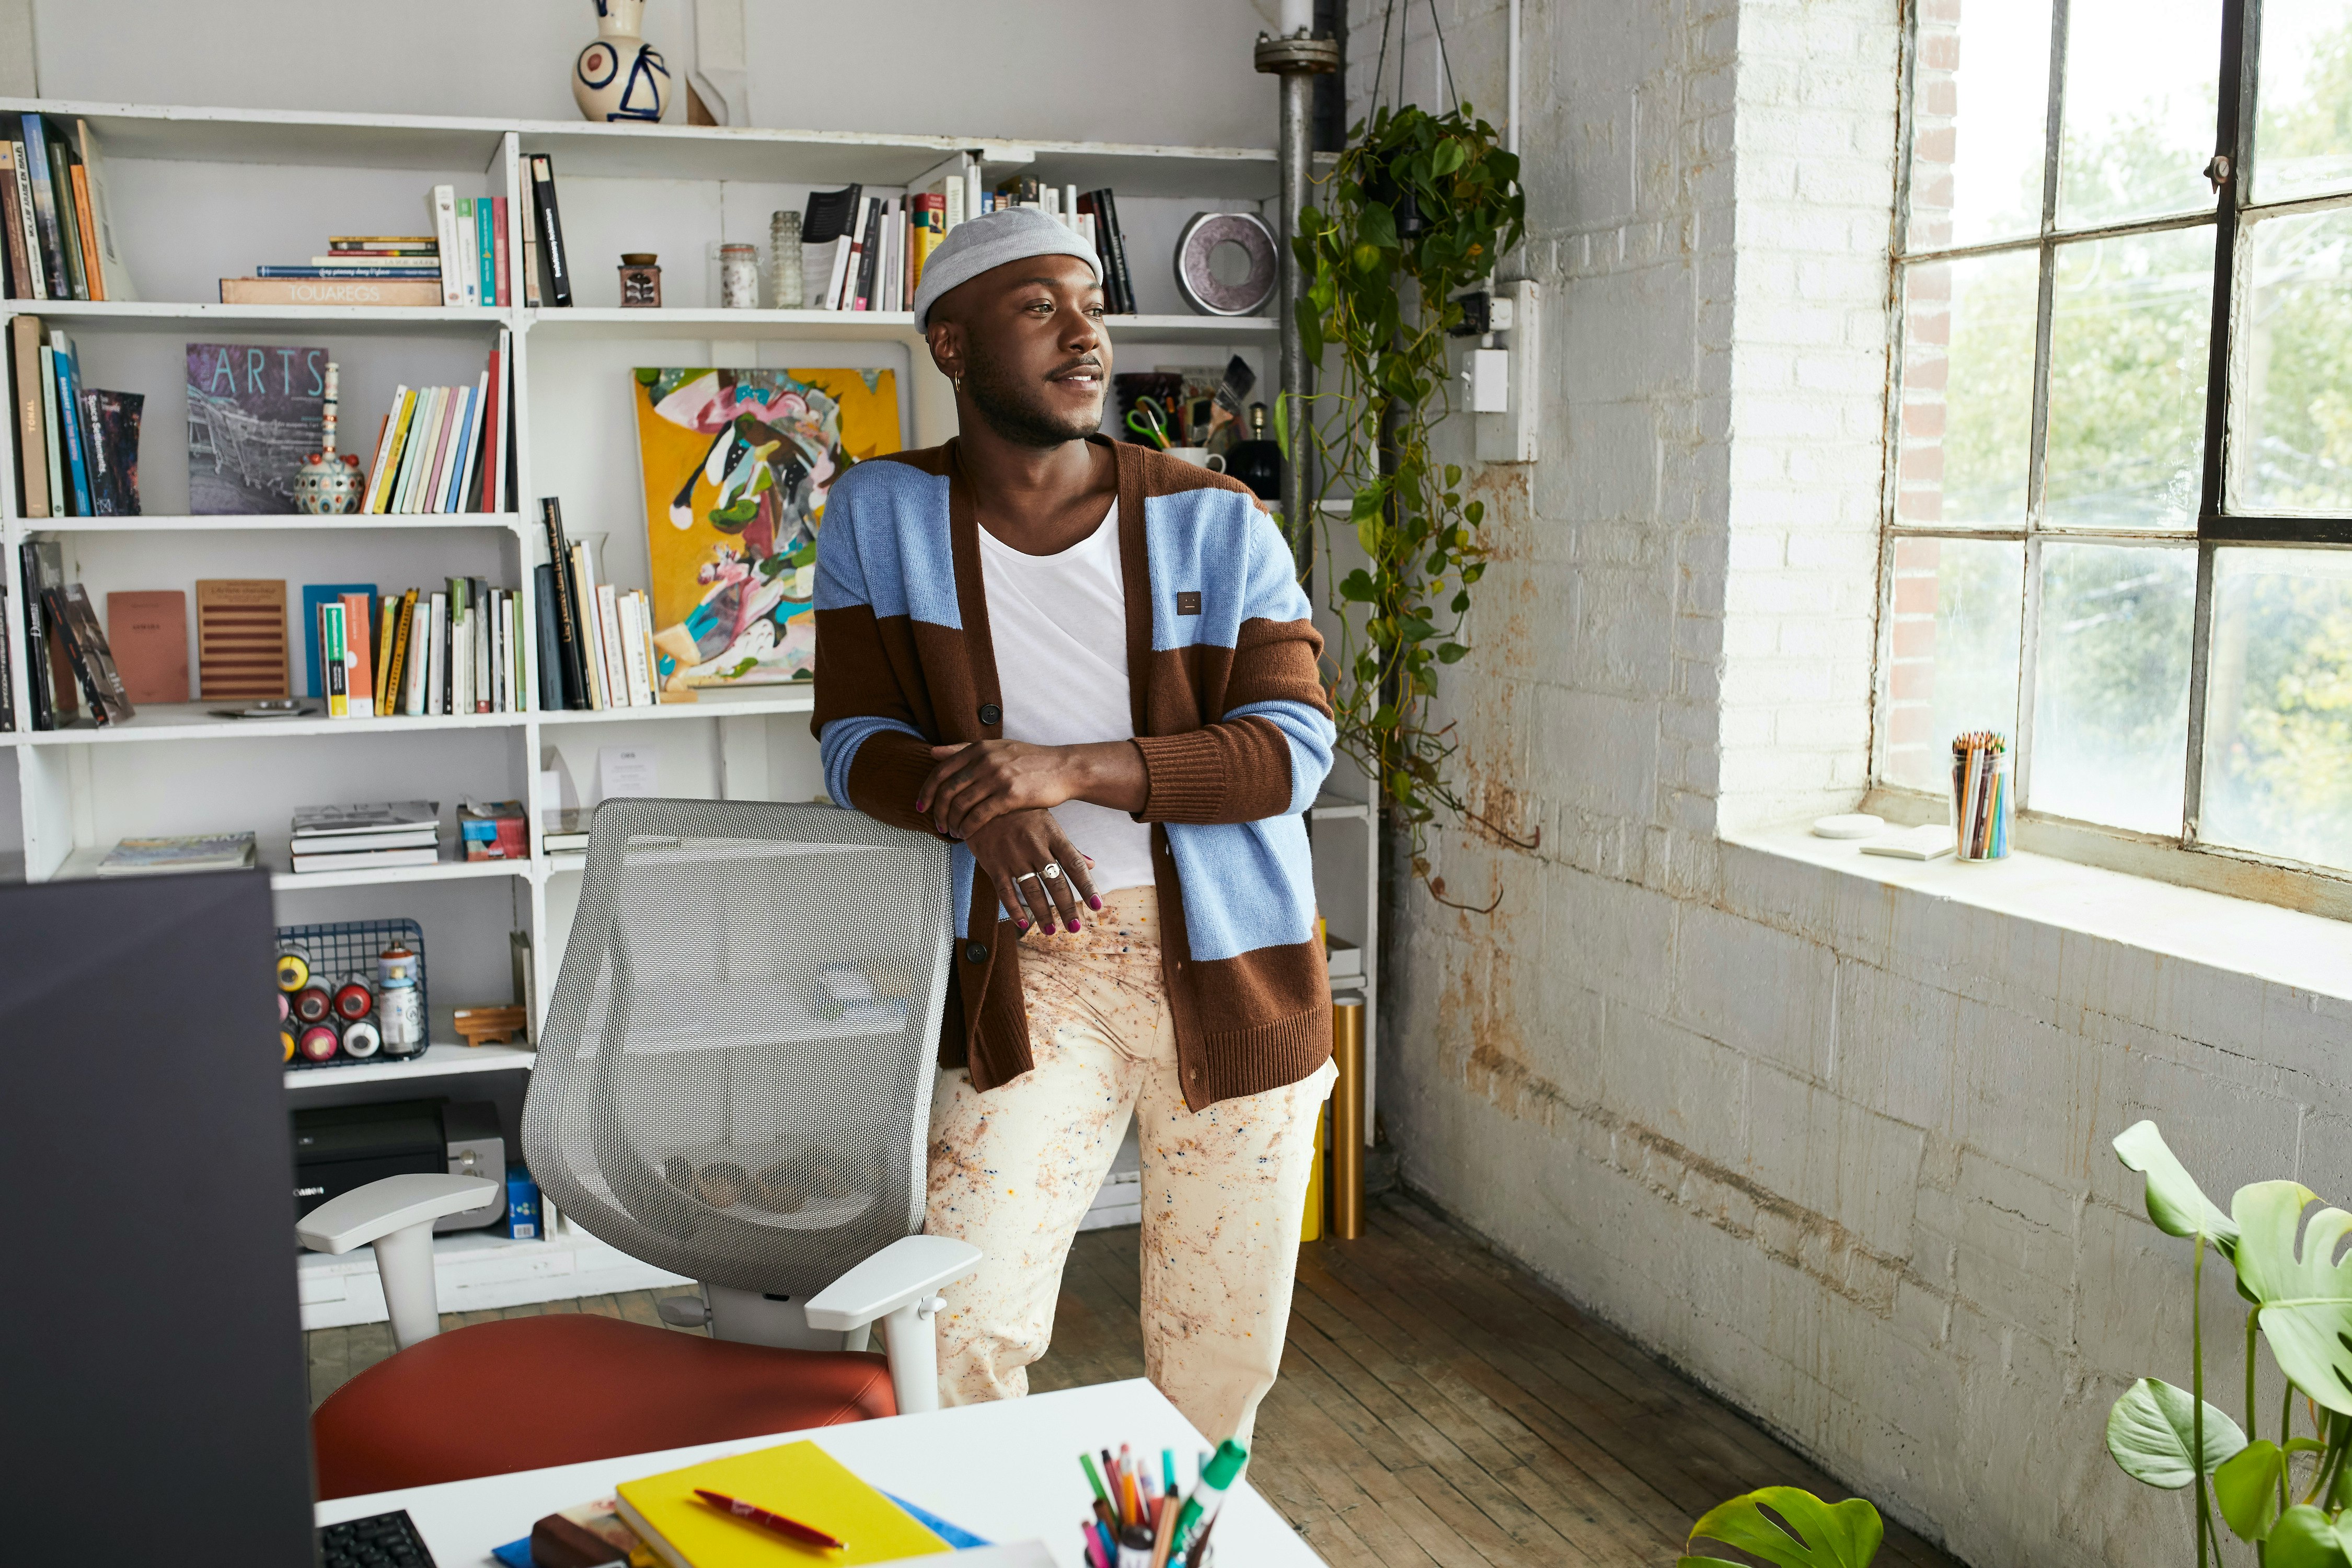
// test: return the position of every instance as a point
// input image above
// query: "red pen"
(791, 1528)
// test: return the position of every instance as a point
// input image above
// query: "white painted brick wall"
(1837, 1150)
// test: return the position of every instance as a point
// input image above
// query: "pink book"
(453, 402)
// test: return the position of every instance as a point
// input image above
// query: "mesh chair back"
(734, 1080)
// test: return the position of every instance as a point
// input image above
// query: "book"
(52, 259)
(799, 1479)
(415, 244)
(528, 213)
(254, 413)
(563, 606)
(61, 168)
(441, 207)
(424, 261)
(501, 264)
(26, 336)
(68, 409)
(93, 279)
(617, 691)
(182, 852)
(825, 226)
(309, 865)
(544, 613)
(399, 684)
(114, 418)
(329, 665)
(314, 595)
(23, 282)
(371, 819)
(114, 274)
(335, 290)
(1931, 841)
(460, 257)
(485, 279)
(240, 638)
(436, 656)
(341, 269)
(592, 652)
(54, 439)
(550, 230)
(633, 651)
(56, 699)
(28, 233)
(85, 647)
(359, 663)
(869, 254)
(388, 450)
(388, 625)
(148, 630)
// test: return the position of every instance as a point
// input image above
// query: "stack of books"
(861, 252)
(59, 240)
(595, 642)
(453, 649)
(351, 837)
(444, 448)
(567, 830)
(77, 445)
(464, 261)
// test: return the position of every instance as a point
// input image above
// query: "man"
(1090, 666)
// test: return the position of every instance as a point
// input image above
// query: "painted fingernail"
(1021, 926)
(1092, 902)
(1075, 925)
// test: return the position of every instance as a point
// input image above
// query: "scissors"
(1149, 420)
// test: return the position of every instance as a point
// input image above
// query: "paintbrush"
(1239, 379)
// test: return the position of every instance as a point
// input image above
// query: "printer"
(339, 1148)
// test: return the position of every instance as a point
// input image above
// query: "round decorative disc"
(1197, 280)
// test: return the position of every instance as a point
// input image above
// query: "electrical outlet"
(1507, 429)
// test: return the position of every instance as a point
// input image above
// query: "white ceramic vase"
(620, 77)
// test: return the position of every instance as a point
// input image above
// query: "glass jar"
(738, 278)
(784, 261)
(640, 279)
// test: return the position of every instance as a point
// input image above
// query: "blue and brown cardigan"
(1229, 716)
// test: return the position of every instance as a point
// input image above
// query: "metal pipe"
(1296, 57)
(1511, 89)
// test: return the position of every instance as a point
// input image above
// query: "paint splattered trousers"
(1223, 1190)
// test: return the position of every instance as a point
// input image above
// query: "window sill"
(2290, 947)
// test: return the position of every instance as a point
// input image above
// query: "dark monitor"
(151, 1343)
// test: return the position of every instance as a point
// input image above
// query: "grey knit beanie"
(979, 244)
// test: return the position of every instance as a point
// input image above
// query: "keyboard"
(384, 1541)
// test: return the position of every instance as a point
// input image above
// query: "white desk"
(1007, 1472)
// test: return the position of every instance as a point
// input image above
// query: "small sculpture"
(620, 77)
(329, 482)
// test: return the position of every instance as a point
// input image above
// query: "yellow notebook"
(799, 1481)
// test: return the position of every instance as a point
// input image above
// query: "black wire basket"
(346, 948)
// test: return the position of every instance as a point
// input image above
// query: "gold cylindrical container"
(1344, 1176)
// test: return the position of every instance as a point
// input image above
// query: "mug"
(1200, 458)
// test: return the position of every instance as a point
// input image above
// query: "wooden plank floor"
(1438, 1407)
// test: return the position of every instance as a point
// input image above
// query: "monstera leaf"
(2305, 1295)
(2247, 1489)
(2175, 1202)
(2152, 1430)
(2305, 1538)
(1817, 1534)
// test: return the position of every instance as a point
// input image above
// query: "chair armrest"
(369, 1214)
(899, 1276)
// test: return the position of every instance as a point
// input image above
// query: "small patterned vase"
(620, 77)
(329, 483)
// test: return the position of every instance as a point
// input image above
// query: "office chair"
(733, 1083)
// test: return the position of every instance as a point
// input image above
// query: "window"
(2123, 476)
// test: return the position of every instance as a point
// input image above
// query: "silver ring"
(1024, 876)
(1050, 870)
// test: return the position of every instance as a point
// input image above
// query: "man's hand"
(1035, 868)
(972, 786)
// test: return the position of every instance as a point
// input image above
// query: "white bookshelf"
(202, 194)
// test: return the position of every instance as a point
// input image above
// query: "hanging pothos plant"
(1419, 208)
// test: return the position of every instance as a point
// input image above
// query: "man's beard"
(1017, 410)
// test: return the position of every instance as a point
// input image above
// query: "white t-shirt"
(1059, 623)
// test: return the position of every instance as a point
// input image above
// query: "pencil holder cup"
(1984, 801)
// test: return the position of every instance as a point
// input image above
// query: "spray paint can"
(399, 1005)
